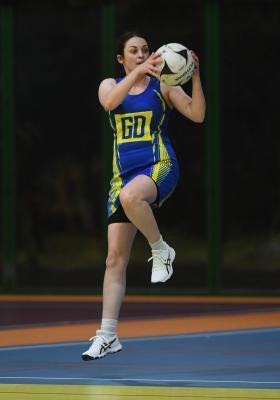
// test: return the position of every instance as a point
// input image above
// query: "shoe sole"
(172, 258)
(86, 357)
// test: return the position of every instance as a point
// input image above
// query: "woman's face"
(136, 51)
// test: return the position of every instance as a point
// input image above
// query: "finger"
(156, 61)
(194, 54)
(155, 75)
(155, 55)
(153, 70)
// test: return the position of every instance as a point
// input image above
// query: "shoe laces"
(159, 258)
(98, 339)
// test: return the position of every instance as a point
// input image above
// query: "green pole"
(7, 115)
(213, 144)
(107, 71)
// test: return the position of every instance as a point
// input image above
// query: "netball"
(177, 64)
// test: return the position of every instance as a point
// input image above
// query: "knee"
(128, 198)
(116, 261)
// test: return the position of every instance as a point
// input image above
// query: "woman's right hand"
(151, 66)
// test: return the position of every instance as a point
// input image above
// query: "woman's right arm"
(111, 94)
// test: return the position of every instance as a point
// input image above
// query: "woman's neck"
(140, 85)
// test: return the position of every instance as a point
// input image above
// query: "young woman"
(145, 171)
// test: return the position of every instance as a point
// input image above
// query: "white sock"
(159, 245)
(109, 326)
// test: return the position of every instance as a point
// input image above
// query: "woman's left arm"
(193, 107)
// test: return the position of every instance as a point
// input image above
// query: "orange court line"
(140, 328)
(142, 298)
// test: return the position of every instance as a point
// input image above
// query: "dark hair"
(123, 39)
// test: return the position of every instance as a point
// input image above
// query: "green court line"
(75, 392)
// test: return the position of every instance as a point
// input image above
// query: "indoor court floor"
(173, 348)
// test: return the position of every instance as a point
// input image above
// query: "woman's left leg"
(136, 198)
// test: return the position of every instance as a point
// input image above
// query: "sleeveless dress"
(141, 144)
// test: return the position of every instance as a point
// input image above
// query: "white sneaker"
(101, 346)
(162, 264)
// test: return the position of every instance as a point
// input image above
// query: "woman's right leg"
(120, 241)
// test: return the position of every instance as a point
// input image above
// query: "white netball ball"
(177, 64)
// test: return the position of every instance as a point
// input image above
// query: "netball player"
(145, 171)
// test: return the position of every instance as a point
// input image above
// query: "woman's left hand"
(196, 63)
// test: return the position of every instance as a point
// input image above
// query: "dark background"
(59, 157)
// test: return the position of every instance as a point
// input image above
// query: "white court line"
(136, 380)
(148, 338)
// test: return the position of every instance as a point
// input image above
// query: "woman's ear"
(120, 58)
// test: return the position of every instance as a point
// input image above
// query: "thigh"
(143, 187)
(120, 239)
(118, 216)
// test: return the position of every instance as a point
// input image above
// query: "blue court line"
(139, 380)
(244, 358)
(149, 338)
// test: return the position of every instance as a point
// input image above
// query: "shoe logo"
(168, 264)
(107, 346)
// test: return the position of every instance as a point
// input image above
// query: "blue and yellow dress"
(141, 144)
